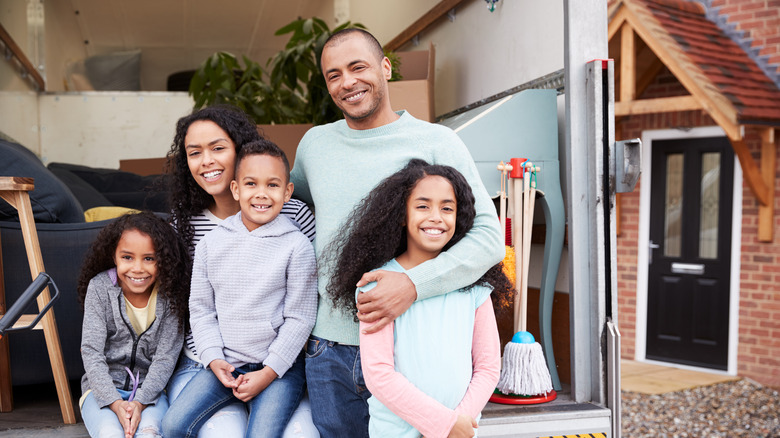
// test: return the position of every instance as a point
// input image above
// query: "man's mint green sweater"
(336, 167)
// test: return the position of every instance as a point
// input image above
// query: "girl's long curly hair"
(187, 198)
(173, 260)
(375, 233)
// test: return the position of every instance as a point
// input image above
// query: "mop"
(524, 372)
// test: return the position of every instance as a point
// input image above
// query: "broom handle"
(504, 168)
(517, 222)
(526, 248)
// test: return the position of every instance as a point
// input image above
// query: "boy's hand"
(224, 372)
(250, 384)
(464, 427)
(393, 294)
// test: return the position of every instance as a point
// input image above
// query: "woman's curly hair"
(187, 198)
(173, 260)
(375, 233)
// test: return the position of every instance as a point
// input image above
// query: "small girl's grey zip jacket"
(109, 344)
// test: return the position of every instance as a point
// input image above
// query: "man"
(336, 166)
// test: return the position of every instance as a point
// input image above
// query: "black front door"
(690, 251)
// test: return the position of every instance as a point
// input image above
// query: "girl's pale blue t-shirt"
(432, 350)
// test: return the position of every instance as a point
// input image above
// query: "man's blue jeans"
(269, 411)
(337, 390)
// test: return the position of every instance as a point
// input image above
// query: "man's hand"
(250, 384)
(224, 372)
(393, 294)
(464, 427)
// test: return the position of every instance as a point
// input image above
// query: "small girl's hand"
(464, 427)
(134, 410)
(120, 409)
(251, 384)
(224, 372)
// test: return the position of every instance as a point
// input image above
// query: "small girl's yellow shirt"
(142, 317)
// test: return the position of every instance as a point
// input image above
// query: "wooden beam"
(766, 212)
(750, 170)
(616, 23)
(659, 41)
(421, 24)
(659, 105)
(17, 52)
(627, 64)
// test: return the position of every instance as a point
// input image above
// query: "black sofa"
(62, 193)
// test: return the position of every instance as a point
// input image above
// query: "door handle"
(650, 247)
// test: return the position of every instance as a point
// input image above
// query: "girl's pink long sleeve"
(424, 413)
(486, 361)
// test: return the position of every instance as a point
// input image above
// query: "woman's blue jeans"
(269, 411)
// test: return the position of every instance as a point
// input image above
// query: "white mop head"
(524, 371)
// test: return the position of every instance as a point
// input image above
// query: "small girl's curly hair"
(187, 198)
(173, 260)
(374, 233)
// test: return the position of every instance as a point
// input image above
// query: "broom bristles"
(524, 371)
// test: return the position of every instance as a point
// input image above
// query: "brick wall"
(759, 308)
(760, 20)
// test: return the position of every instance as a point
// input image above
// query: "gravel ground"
(741, 408)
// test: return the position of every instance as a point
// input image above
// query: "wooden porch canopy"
(720, 77)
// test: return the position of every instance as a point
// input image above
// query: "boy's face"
(261, 189)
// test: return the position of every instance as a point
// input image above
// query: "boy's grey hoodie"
(109, 344)
(253, 294)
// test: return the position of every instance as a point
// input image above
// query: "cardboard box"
(286, 137)
(415, 92)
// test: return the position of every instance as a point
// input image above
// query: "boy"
(253, 303)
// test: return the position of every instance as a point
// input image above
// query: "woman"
(201, 165)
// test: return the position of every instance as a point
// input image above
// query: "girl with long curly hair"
(134, 287)
(201, 165)
(419, 368)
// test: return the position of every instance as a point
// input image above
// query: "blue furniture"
(524, 125)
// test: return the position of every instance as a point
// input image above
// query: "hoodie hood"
(281, 225)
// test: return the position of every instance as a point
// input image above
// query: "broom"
(506, 225)
(524, 371)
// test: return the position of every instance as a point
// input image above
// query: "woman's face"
(211, 156)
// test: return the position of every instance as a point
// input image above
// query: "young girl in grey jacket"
(134, 286)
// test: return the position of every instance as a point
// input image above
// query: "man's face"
(357, 82)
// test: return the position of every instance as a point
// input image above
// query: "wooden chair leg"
(6, 390)
(21, 200)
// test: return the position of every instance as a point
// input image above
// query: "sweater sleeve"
(93, 344)
(396, 392)
(164, 361)
(203, 311)
(486, 361)
(300, 309)
(479, 250)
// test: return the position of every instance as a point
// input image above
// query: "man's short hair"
(343, 34)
